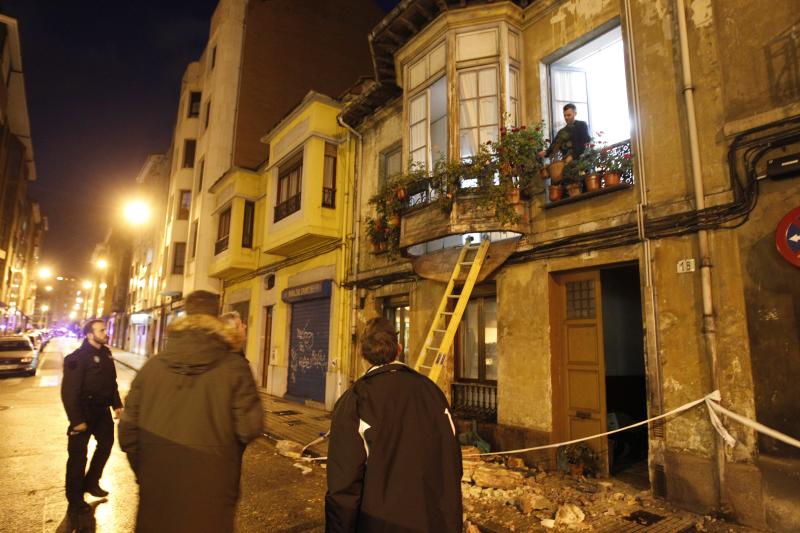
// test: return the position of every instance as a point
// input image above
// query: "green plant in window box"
(614, 163)
(572, 179)
(587, 167)
(517, 152)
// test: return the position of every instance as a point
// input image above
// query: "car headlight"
(26, 360)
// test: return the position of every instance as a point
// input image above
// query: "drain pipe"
(709, 321)
(355, 239)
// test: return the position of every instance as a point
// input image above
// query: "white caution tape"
(711, 400)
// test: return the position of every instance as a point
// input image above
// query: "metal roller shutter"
(308, 349)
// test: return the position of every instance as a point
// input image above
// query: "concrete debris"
(303, 468)
(516, 462)
(527, 503)
(290, 448)
(549, 523)
(569, 514)
(495, 476)
(467, 451)
(469, 527)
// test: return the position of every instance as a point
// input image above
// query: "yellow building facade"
(282, 251)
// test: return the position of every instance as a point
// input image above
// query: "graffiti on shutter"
(308, 349)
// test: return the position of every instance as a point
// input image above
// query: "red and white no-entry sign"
(787, 237)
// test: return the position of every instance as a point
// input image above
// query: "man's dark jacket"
(578, 139)
(190, 413)
(394, 464)
(89, 383)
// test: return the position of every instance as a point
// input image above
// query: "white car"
(17, 354)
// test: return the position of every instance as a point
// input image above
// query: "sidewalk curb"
(128, 365)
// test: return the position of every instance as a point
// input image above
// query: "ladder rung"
(454, 296)
(468, 263)
(440, 331)
(448, 313)
(432, 348)
(426, 366)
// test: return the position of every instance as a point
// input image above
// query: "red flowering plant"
(517, 152)
(611, 160)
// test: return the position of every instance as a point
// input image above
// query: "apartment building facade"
(612, 305)
(22, 224)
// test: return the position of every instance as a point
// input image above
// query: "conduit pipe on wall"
(355, 240)
(709, 321)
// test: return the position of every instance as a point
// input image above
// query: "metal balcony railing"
(287, 207)
(475, 401)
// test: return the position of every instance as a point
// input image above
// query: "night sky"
(102, 80)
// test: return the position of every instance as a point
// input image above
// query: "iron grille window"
(329, 177)
(223, 231)
(194, 104)
(189, 148)
(179, 260)
(248, 224)
(284, 209)
(185, 204)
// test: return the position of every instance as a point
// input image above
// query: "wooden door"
(582, 358)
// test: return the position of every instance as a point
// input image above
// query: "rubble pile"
(503, 494)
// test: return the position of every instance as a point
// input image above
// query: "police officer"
(88, 389)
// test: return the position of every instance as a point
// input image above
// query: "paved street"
(276, 496)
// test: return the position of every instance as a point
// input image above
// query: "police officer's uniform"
(88, 389)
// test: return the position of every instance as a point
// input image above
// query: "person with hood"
(394, 464)
(188, 417)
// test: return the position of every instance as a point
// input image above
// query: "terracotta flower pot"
(556, 169)
(574, 189)
(513, 195)
(383, 246)
(393, 221)
(610, 179)
(400, 193)
(555, 192)
(592, 182)
(376, 247)
(543, 173)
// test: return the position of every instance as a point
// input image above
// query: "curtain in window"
(478, 109)
(418, 111)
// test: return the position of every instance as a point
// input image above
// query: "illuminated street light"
(76, 306)
(103, 286)
(73, 315)
(45, 308)
(60, 278)
(87, 284)
(137, 212)
(45, 273)
(102, 264)
(79, 299)
(48, 288)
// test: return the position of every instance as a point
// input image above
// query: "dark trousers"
(101, 427)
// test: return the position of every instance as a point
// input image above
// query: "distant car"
(18, 355)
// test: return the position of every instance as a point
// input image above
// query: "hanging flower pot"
(592, 182)
(555, 170)
(376, 247)
(393, 220)
(400, 193)
(574, 189)
(513, 195)
(611, 179)
(383, 246)
(543, 173)
(555, 192)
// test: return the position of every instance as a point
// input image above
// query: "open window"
(593, 78)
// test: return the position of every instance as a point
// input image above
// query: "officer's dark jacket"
(90, 382)
(394, 464)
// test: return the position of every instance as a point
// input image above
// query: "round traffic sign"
(787, 237)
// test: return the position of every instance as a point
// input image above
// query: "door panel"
(308, 349)
(583, 360)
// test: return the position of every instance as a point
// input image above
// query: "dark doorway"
(626, 388)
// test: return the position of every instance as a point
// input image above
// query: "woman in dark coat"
(190, 413)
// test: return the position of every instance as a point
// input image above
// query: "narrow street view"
(432, 266)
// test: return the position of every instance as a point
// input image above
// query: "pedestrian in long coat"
(394, 464)
(190, 413)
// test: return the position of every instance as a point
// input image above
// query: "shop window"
(398, 311)
(593, 78)
(329, 177)
(477, 349)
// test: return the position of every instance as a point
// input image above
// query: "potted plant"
(555, 192)
(614, 163)
(376, 232)
(517, 152)
(572, 179)
(587, 167)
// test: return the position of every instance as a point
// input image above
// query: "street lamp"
(103, 286)
(102, 264)
(87, 285)
(48, 288)
(136, 212)
(45, 308)
(45, 273)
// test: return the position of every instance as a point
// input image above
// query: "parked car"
(17, 354)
